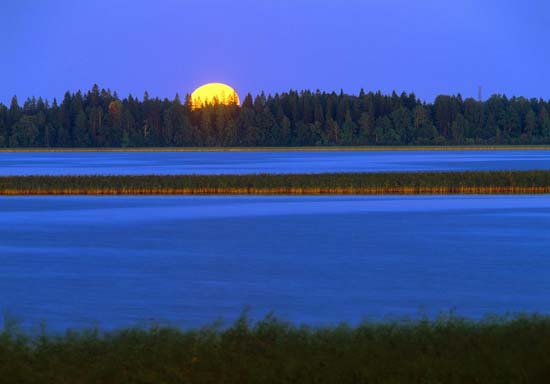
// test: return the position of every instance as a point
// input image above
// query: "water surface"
(133, 163)
(117, 261)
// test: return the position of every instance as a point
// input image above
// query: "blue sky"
(168, 46)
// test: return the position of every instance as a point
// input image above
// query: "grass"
(487, 182)
(291, 149)
(445, 350)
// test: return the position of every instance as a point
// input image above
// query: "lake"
(187, 261)
(132, 163)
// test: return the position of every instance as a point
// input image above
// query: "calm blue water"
(186, 261)
(132, 163)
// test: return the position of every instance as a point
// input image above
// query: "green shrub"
(444, 350)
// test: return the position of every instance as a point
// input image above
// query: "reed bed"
(445, 350)
(406, 183)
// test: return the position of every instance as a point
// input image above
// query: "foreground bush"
(447, 350)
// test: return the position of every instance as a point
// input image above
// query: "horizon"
(242, 96)
(428, 48)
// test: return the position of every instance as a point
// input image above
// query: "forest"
(99, 118)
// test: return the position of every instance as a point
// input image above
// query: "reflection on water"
(115, 261)
(132, 163)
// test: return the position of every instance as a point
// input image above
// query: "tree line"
(99, 118)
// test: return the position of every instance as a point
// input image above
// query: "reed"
(444, 350)
(407, 183)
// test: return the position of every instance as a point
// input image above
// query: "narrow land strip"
(405, 183)
(291, 149)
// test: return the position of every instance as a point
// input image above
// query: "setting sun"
(214, 93)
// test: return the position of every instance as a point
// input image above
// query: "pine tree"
(25, 133)
(3, 125)
(349, 129)
(80, 132)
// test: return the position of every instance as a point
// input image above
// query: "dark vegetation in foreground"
(486, 182)
(447, 350)
(99, 118)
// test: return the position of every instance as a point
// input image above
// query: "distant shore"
(389, 183)
(291, 149)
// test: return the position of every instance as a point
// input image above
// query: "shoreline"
(289, 149)
(284, 192)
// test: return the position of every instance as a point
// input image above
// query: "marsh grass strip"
(409, 183)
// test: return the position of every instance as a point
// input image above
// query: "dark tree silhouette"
(99, 118)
